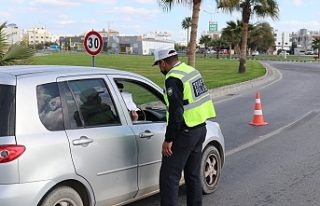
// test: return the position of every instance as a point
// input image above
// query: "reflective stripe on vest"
(200, 106)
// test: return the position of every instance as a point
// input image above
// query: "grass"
(216, 73)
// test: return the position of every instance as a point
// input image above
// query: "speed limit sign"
(93, 43)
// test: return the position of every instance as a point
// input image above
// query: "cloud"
(63, 16)
(144, 1)
(59, 3)
(64, 22)
(17, 1)
(109, 2)
(89, 21)
(134, 12)
(297, 2)
(4, 15)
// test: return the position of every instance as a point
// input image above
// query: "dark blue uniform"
(186, 148)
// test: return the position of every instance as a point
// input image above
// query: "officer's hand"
(166, 149)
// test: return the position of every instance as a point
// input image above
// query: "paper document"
(127, 97)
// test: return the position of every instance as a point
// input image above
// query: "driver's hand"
(134, 115)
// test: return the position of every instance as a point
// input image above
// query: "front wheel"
(210, 169)
(62, 196)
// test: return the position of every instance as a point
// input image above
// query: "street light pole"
(210, 14)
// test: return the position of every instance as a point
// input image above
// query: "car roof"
(60, 70)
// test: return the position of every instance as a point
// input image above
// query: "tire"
(210, 169)
(62, 196)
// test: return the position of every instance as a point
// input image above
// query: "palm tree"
(261, 8)
(230, 33)
(186, 24)
(316, 45)
(219, 43)
(195, 4)
(18, 53)
(205, 40)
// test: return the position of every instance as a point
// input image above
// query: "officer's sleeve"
(174, 88)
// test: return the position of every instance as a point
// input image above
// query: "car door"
(103, 146)
(149, 130)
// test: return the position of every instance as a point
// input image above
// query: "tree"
(168, 4)
(231, 33)
(186, 24)
(316, 45)
(205, 40)
(260, 8)
(254, 34)
(219, 43)
(18, 53)
(265, 41)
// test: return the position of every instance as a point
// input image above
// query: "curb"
(222, 91)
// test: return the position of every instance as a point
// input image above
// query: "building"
(137, 44)
(283, 40)
(38, 35)
(183, 43)
(303, 39)
(158, 35)
(75, 43)
(12, 33)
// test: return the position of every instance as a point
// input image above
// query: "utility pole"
(108, 44)
(284, 52)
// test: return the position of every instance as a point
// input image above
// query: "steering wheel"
(142, 115)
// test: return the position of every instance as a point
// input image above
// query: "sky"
(137, 17)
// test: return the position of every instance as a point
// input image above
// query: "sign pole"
(93, 61)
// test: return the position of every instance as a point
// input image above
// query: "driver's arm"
(134, 115)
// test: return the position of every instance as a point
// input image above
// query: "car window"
(49, 106)
(144, 99)
(7, 110)
(89, 104)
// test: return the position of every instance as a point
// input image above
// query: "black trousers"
(186, 157)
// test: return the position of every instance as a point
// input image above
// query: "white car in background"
(255, 53)
(308, 53)
(282, 53)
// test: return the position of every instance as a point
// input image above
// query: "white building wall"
(183, 43)
(283, 40)
(148, 46)
(12, 34)
(39, 35)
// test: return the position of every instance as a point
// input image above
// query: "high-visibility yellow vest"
(200, 106)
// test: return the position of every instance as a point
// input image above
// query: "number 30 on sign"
(93, 43)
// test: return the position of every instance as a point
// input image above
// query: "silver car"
(67, 138)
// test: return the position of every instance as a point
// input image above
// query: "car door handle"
(83, 141)
(146, 134)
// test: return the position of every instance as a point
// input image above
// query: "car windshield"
(7, 110)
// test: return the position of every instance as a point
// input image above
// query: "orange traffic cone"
(258, 117)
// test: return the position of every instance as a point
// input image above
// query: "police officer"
(188, 107)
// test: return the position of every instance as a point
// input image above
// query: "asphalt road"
(276, 164)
